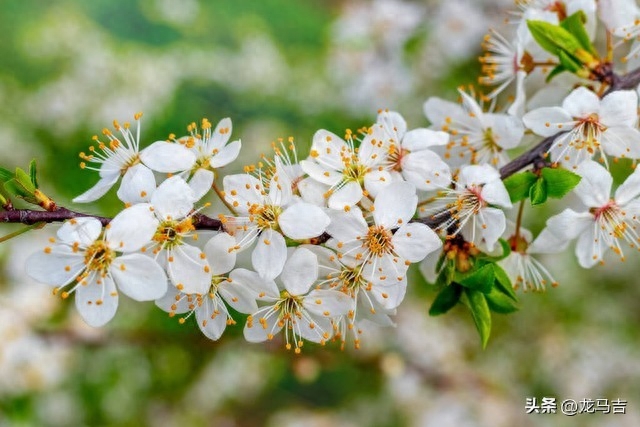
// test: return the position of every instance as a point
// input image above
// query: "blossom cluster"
(331, 236)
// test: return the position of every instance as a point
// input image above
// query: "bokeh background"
(278, 68)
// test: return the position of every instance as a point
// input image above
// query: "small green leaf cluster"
(538, 186)
(24, 186)
(483, 289)
(568, 41)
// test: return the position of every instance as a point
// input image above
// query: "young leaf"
(569, 62)
(480, 279)
(538, 193)
(480, 313)
(499, 302)
(33, 173)
(5, 175)
(575, 25)
(559, 181)
(446, 299)
(503, 283)
(556, 70)
(24, 181)
(553, 38)
(518, 185)
(446, 274)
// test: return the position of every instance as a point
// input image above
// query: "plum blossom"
(477, 137)
(119, 156)
(292, 306)
(606, 223)
(386, 248)
(591, 125)
(469, 205)
(96, 264)
(408, 153)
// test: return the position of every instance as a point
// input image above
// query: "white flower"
(469, 205)
(171, 207)
(347, 171)
(607, 220)
(211, 312)
(210, 152)
(268, 212)
(409, 153)
(621, 19)
(477, 137)
(590, 124)
(522, 268)
(91, 266)
(390, 244)
(303, 314)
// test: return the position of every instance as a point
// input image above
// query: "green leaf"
(559, 181)
(446, 299)
(575, 25)
(556, 70)
(5, 175)
(24, 180)
(506, 250)
(480, 279)
(500, 303)
(538, 193)
(518, 185)
(480, 313)
(33, 173)
(503, 283)
(569, 62)
(446, 274)
(553, 38)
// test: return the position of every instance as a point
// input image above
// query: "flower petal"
(328, 303)
(139, 277)
(629, 189)
(97, 303)
(188, 269)
(251, 280)
(167, 157)
(226, 155)
(257, 331)
(83, 231)
(138, 184)
(57, 266)
(303, 221)
(594, 188)
(220, 253)
(242, 191)
(581, 103)
(345, 196)
(98, 190)
(173, 199)
(426, 170)
(300, 271)
(132, 228)
(544, 121)
(395, 205)
(619, 108)
(414, 241)
(270, 254)
(201, 182)
(422, 138)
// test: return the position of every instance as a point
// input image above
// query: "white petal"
(345, 227)
(619, 108)
(167, 157)
(303, 221)
(220, 135)
(227, 155)
(280, 185)
(56, 267)
(132, 228)
(242, 191)
(175, 301)
(173, 199)
(98, 190)
(544, 121)
(313, 191)
(328, 148)
(257, 332)
(84, 231)
(376, 181)
(428, 266)
(581, 102)
(97, 304)
(239, 297)
(494, 192)
(590, 248)
(568, 224)
(621, 142)
(393, 123)
(138, 184)
(426, 170)
(492, 224)
(315, 329)
(300, 271)
(201, 182)
(438, 110)
(346, 196)
(373, 148)
(211, 324)
(320, 173)
(507, 130)
(189, 271)
(328, 303)
(421, 139)
(594, 188)
(629, 189)
(414, 241)
(250, 280)
(395, 205)
(139, 277)
(219, 252)
(477, 175)
(270, 254)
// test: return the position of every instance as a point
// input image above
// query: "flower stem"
(21, 231)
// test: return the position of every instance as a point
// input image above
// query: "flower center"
(395, 155)
(265, 216)
(378, 240)
(98, 257)
(354, 171)
(590, 129)
(169, 233)
(288, 306)
(132, 161)
(351, 280)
